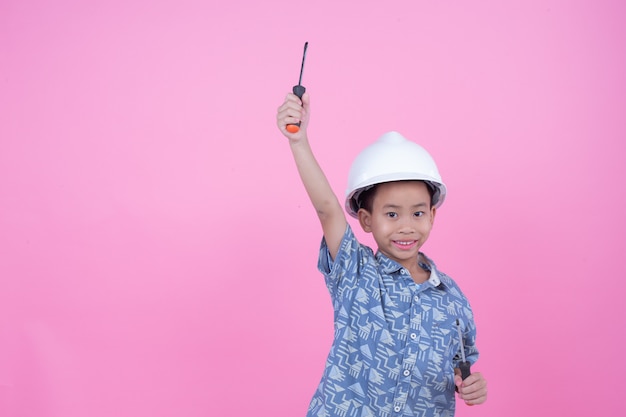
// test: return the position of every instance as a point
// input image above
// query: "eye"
(418, 213)
(392, 214)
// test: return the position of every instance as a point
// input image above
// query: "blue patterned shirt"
(396, 342)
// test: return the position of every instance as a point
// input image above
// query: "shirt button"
(396, 409)
(407, 372)
(416, 298)
(413, 336)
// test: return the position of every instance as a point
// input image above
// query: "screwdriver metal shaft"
(464, 365)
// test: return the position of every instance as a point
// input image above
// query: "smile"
(404, 244)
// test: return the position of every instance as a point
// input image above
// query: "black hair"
(366, 199)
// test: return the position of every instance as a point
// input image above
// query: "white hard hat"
(392, 158)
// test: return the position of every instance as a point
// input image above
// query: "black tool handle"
(465, 369)
(299, 91)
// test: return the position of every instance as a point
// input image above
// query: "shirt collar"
(389, 266)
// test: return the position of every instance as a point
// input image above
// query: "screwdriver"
(464, 366)
(299, 91)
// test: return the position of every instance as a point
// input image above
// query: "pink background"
(158, 253)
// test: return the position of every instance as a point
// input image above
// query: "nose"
(407, 224)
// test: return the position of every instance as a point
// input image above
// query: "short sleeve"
(343, 270)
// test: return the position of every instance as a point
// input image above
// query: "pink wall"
(157, 252)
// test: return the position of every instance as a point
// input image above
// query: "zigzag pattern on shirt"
(395, 343)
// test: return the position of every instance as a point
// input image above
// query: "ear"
(365, 219)
(433, 211)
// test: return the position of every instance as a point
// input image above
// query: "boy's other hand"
(472, 390)
(294, 110)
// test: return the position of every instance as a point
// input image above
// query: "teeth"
(404, 243)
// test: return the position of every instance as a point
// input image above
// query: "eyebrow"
(394, 206)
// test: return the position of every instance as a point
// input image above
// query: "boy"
(396, 348)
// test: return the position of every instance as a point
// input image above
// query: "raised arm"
(325, 202)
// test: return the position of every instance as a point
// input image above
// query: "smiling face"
(400, 220)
